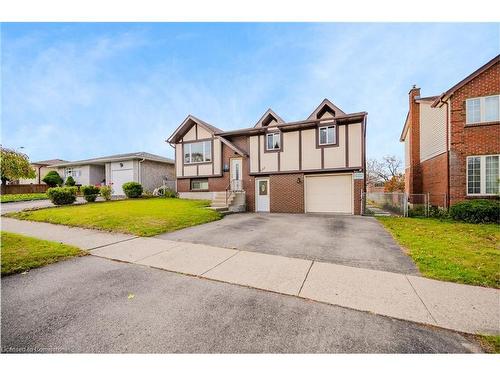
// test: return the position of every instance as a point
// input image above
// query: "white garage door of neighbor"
(119, 177)
(329, 194)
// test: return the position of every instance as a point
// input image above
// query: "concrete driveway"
(355, 241)
(86, 305)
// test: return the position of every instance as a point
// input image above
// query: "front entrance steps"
(235, 202)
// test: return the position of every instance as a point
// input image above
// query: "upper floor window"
(327, 135)
(485, 109)
(198, 152)
(273, 141)
(483, 175)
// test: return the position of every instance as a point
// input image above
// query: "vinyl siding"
(432, 131)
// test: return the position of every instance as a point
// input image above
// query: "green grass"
(490, 343)
(142, 217)
(21, 253)
(6, 198)
(450, 251)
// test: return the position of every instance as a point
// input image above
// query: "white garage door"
(329, 194)
(119, 177)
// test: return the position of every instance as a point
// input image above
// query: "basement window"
(199, 184)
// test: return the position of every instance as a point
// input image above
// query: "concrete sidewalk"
(463, 308)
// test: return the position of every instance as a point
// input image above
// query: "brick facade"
(471, 140)
(287, 193)
(435, 179)
(359, 186)
(446, 173)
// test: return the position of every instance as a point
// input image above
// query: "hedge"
(476, 211)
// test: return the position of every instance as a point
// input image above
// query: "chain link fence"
(402, 204)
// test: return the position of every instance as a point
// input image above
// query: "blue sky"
(76, 91)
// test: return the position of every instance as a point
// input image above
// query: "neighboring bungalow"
(313, 165)
(152, 171)
(452, 141)
(41, 169)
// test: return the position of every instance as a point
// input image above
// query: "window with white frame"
(485, 109)
(198, 152)
(327, 135)
(483, 174)
(273, 141)
(199, 184)
(73, 172)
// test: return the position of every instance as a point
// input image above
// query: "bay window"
(483, 173)
(485, 109)
(198, 152)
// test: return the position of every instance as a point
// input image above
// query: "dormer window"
(326, 135)
(273, 141)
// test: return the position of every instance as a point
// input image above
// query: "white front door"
(262, 195)
(235, 174)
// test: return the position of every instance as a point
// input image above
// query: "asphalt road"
(83, 305)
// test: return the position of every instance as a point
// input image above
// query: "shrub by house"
(53, 179)
(132, 189)
(476, 211)
(90, 192)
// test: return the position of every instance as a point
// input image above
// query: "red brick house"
(313, 165)
(452, 141)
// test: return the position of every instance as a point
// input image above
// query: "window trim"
(184, 144)
(195, 180)
(280, 141)
(334, 140)
(482, 110)
(336, 132)
(482, 176)
(72, 171)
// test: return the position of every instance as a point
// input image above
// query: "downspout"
(39, 171)
(448, 148)
(140, 171)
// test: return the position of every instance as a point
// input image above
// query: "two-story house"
(313, 165)
(452, 141)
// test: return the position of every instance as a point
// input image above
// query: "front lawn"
(142, 217)
(450, 251)
(21, 253)
(6, 198)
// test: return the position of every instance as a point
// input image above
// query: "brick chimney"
(415, 178)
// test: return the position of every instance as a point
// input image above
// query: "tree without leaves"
(14, 166)
(383, 170)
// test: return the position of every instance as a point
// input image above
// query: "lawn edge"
(423, 274)
(81, 253)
